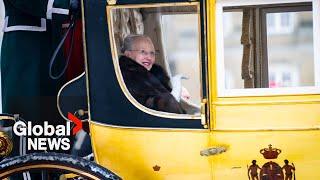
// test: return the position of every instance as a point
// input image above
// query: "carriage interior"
(165, 26)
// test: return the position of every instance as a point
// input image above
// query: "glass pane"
(280, 23)
(271, 23)
(288, 42)
(290, 50)
(285, 19)
(233, 50)
(159, 56)
(181, 45)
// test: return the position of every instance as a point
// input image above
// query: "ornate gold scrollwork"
(6, 144)
(112, 2)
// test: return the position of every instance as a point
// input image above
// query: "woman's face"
(142, 52)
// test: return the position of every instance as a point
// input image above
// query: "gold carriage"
(252, 71)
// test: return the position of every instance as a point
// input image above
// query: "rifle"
(248, 171)
(294, 172)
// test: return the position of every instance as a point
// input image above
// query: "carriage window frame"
(222, 91)
(117, 69)
(264, 61)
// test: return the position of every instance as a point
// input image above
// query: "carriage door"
(265, 110)
(146, 119)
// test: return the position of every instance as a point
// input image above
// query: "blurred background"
(289, 49)
(181, 38)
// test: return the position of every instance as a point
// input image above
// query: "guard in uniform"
(32, 31)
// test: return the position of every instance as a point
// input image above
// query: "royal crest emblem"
(271, 170)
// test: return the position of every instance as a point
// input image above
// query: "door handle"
(203, 111)
(213, 151)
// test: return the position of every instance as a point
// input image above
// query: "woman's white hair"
(130, 39)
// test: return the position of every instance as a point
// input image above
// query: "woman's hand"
(185, 95)
(178, 91)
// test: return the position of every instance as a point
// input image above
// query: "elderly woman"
(146, 81)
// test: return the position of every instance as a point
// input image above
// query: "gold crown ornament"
(270, 153)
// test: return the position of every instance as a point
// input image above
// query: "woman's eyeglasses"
(145, 53)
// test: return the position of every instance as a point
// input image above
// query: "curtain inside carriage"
(248, 42)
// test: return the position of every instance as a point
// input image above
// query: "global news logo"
(48, 137)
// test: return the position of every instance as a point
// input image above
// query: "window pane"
(285, 19)
(181, 45)
(271, 21)
(290, 50)
(232, 27)
(280, 23)
(275, 50)
(159, 56)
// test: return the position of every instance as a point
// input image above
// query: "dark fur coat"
(150, 88)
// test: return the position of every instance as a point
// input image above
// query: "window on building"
(281, 23)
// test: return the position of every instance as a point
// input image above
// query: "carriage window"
(181, 49)
(158, 55)
(290, 49)
(233, 49)
(268, 46)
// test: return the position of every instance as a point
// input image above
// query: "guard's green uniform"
(32, 30)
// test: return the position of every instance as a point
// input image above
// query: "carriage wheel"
(54, 162)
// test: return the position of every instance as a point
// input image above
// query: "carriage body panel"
(151, 153)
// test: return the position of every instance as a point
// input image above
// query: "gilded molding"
(112, 2)
(116, 63)
(6, 144)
